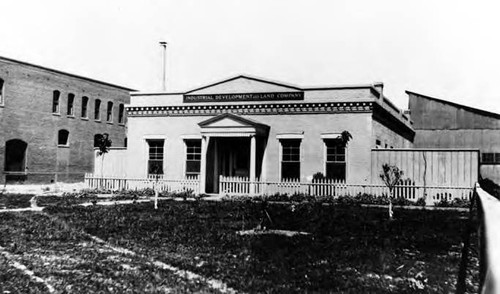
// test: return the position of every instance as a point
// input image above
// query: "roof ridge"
(66, 73)
(468, 108)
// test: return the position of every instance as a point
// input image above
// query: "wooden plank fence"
(159, 182)
(328, 187)
(429, 167)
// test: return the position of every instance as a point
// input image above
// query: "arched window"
(55, 101)
(71, 101)
(63, 138)
(1, 91)
(85, 102)
(109, 113)
(121, 112)
(97, 109)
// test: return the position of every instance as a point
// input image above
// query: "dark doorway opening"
(15, 160)
(230, 157)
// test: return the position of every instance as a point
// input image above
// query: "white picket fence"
(329, 187)
(159, 182)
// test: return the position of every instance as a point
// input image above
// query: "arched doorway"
(15, 160)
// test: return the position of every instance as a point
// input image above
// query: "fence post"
(221, 178)
(462, 271)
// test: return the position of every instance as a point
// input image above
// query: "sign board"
(276, 96)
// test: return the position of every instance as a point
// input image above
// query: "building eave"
(388, 119)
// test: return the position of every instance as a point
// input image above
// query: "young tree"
(391, 176)
(345, 137)
(103, 143)
(156, 172)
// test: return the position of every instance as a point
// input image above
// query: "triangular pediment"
(231, 121)
(228, 122)
(244, 84)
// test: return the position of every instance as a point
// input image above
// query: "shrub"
(300, 197)
(420, 201)
(318, 176)
(371, 199)
(457, 202)
(346, 200)
(403, 201)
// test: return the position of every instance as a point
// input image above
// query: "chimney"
(164, 78)
(379, 86)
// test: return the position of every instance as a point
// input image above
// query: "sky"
(444, 49)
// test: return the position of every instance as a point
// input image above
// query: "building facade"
(443, 124)
(260, 129)
(49, 120)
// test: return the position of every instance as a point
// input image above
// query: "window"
(121, 112)
(378, 144)
(109, 112)
(193, 157)
(71, 100)
(125, 142)
(1, 91)
(290, 159)
(335, 159)
(155, 160)
(85, 103)
(97, 109)
(55, 101)
(490, 158)
(62, 138)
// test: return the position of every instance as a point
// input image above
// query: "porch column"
(252, 163)
(216, 167)
(203, 168)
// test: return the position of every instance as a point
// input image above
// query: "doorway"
(15, 160)
(228, 157)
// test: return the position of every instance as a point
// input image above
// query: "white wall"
(113, 163)
(173, 128)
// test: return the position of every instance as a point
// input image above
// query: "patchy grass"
(13, 280)
(351, 249)
(15, 200)
(71, 262)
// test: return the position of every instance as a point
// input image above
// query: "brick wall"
(27, 115)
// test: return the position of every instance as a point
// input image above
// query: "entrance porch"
(231, 146)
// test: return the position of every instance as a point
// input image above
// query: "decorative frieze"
(248, 109)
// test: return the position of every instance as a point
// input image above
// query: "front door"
(230, 157)
(234, 154)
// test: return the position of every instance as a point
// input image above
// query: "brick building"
(256, 128)
(48, 120)
(444, 124)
